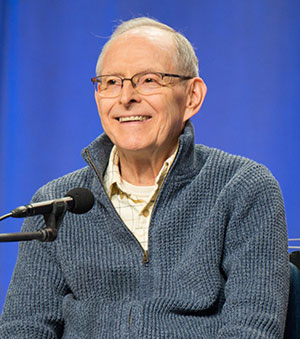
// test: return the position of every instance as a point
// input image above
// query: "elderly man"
(184, 241)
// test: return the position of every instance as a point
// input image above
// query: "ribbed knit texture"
(218, 264)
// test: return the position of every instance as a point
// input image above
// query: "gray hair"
(187, 61)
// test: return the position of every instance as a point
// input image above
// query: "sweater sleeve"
(255, 261)
(33, 302)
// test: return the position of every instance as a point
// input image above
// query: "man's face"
(163, 112)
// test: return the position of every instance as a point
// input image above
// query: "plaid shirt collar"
(113, 179)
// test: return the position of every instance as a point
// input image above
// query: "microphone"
(78, 200)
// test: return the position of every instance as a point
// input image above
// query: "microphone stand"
(47, 234)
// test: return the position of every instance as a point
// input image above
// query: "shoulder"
(236, 174)
(219, 162)
(58, 188)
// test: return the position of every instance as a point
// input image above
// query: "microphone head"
(83, 200)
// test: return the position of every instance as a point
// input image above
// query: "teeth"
(133, 118)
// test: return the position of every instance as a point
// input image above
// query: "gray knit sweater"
(217, 264)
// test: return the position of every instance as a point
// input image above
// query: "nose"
(128, 93)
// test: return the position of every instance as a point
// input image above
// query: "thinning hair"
(186, 59)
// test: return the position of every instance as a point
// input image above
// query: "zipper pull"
(145, 259)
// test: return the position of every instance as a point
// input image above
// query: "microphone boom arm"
(47, 234)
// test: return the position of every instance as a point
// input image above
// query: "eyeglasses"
(145, 83)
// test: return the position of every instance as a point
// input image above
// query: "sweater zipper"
(145, 258)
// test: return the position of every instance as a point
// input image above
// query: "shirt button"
(145, 213)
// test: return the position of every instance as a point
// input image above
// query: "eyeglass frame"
(182, 77)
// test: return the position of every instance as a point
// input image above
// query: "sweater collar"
(97, 153)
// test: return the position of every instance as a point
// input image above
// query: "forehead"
(140, 49)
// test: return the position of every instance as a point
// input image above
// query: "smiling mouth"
(133, 118)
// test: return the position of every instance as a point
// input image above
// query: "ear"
(196, 92)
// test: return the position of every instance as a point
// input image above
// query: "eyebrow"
(148, 70)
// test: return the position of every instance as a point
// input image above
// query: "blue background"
(249, 53)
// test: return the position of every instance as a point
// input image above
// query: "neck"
(142, 169)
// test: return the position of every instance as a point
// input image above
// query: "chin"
(133, 146)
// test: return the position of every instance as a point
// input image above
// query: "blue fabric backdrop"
(249, 55)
